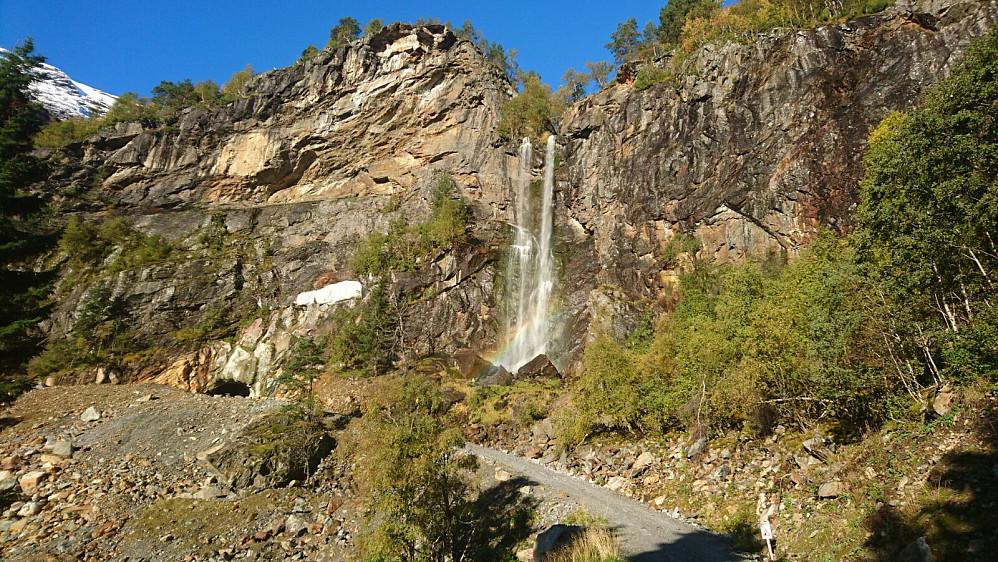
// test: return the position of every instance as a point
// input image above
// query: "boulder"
(500, 377)
(538, 367)
(553, 537)
(470, 364)
(272, 451)
(943, 403)
(450, 396)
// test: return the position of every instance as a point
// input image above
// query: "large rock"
(499, 377)
(553, 537)
(470, 364)
(272, 451)
(538, 367)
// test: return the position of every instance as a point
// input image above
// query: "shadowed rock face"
(752, 147)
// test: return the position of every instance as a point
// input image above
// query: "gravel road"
(645, 535)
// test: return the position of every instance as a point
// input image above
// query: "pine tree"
(23, 230)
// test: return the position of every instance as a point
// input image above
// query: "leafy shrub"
(413, 474)
(406, 244)
(648, 76)
(531, 113)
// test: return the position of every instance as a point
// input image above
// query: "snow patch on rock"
(330, 294)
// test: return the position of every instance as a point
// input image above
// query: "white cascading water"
(530, 270)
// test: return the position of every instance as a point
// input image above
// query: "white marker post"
(767, 535)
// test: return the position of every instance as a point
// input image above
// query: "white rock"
(29, 509)
(90, 414)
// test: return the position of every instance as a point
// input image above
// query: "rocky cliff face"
(289, 179)
(751, 147)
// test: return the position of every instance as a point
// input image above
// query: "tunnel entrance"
(229, 387)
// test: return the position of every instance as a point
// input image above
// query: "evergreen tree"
(23, 230)
(346, 31)
(674, 15)
(374, 26)
(625, 40)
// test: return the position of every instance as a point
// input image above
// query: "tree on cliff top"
(23, 232)
(345, 32)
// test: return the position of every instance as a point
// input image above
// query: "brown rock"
(943, 403)
(12, 462)
(831, 489)
(30, 481)
(470, 364)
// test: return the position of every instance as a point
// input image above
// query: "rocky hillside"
(751, 147)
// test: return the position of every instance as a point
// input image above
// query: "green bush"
(648, 76)
(531, 113)
(363, 337)
(795, 343)
(406, 245)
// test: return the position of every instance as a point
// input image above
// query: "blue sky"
(121, 46)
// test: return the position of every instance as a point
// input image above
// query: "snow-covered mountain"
(64, 97)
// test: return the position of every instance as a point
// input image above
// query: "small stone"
(831, 489)
(29, 509)
(696, 448)
(62, 449)
(643, 461)
(295, 524)
(209, 493)
(722, 472)
(30, 481)
(90, 414)
(7, 484)
(616, 483)
(503, 476)
(725, 453)
(11, 463)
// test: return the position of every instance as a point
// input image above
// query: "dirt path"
(645, 535)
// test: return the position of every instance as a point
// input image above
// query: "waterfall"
(530, 269)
